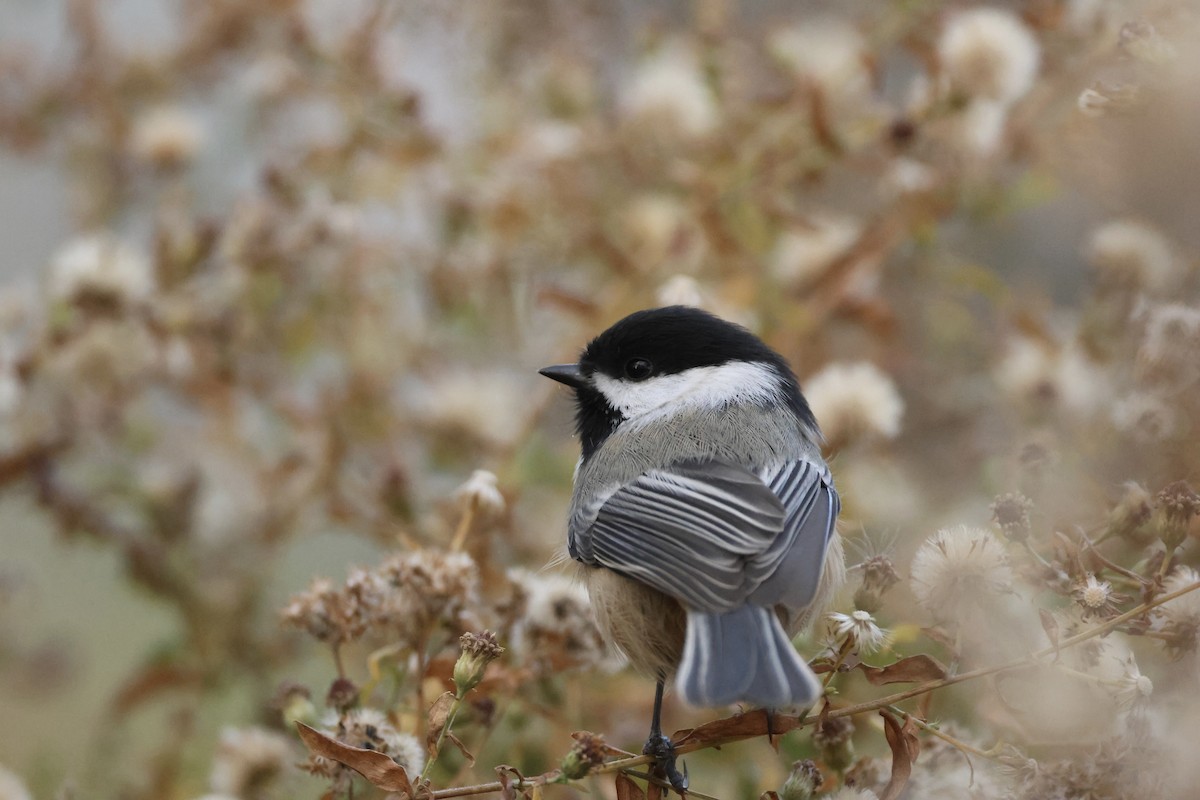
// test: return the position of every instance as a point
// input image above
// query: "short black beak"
(565, 373)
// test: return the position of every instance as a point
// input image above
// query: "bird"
(703, 515)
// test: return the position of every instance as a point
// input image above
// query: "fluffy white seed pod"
(990, 54)
(669, 90)
(959, 567)
(854, 400)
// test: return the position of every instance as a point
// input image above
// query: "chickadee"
(703, 513)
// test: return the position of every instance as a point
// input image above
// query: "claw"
(663, 751)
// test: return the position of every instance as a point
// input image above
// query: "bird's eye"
(638, 369)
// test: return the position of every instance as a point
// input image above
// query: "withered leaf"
(462, 748)
(914, 669)
(508, 786)
(373, 765)
(905, 748)
(769, 796)
(739, 726)
(439, 712)
(627, 789)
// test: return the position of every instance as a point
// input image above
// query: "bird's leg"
(660, 747)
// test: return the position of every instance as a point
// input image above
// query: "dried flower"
(979, 129)
(1104, 99)
(1132, 688)
(100, 266)
(1011, 512)
(248, 761)
(1170, 342)
(1179, 619)
(1145, 417)
(1028, 370)
(1131, 254)
(878, 576)
(327, 614)
(803, 781)
(480, 493)
(958, 567)
(294, 703)
(669, 91)
(834, 739)
(1142, 41)
(478, 650)
(1131, 512)
(342, 694)
(825, 53)
(428, 588)
(166, 137)
(557, 627)
(587, 753)
(852, 400)
(989, 53)
(1175, 506)
(1096, 597)
(802, 254)
(859, 629)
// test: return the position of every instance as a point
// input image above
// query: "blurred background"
(277, 278)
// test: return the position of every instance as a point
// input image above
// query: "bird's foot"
(663, 751)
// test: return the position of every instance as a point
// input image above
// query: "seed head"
(803, 781)
(859, 628)
(1131, 512)
(1179, 619)
(1176, 505)
(833, 738)
(878, 576)
(855, 400)
(989, 53)
(480, 492)
(587, 754)
(957, 568)
(249, 761)
(1011, 512)
(1130, 254)
(478, 650)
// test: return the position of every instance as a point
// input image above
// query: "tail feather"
(743, 656)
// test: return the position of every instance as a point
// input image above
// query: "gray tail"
(743, 656)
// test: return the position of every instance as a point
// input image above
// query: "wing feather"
(715, 536)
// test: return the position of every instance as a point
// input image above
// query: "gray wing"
(710, 534)
(797, 558)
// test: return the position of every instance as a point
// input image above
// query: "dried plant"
(311, 254)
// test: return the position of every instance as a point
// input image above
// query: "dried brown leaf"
(739, 726)
(769, 796)
(462, 748)
(905, 748)
(439, 712)
(627, 789)
(373, 765)
(914, 669)
(508, 786)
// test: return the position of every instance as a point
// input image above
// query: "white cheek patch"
(695, 388)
